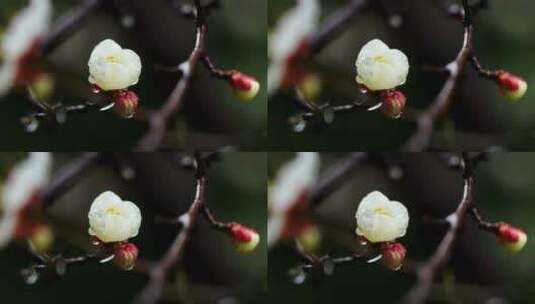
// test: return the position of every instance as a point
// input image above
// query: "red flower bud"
(125, 255)
(511, 238)
(511, 86)
(393, 255)
(126, 103)
(245, 239)
(245, 87)
(393, 103)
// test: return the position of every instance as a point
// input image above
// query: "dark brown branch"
(427, 271)
(67, 176)
(421, 139)
(70, 23)
(159, 120)
(335, 24)
(215, 72)
(159, 271)
(489, 74)
(335, 176)
(481, 223)
(56, 114)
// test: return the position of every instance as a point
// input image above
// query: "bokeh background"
(479, 118)
(480, 271)
(212, 271)
(212, 116)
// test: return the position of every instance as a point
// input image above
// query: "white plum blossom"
(24, 181)
(380, 219)
(24, 32)
(113, 220)
(380, 67)
(293, 181)
(292, 30)
(112, 67)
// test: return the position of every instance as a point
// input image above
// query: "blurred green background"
(212, 271)
(480, 271)
(479, 118)
(212, 116)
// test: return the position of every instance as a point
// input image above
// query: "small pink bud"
(393, 103)
(245, 239)
(393, 255)
(126, 103)
(511, 238)
(125, 255)
(511, 86)
(245, 87)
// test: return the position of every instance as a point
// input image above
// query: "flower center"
(112, 59)
(381, 211)
(380, 59)
(113, 211)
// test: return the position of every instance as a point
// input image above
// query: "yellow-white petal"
(381, 220)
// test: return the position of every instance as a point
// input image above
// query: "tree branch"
(334, 177)
(335, 24)
(159, 271)
(159, 120)
(67, 176)
(427, 271)
(421, 139)
(70, 23)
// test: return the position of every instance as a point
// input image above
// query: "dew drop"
(107, 107)
(95, 89)
(31, 125)
(107, 259)
(374, 259)
(30, 275)
(300, 126)
(374, 107)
